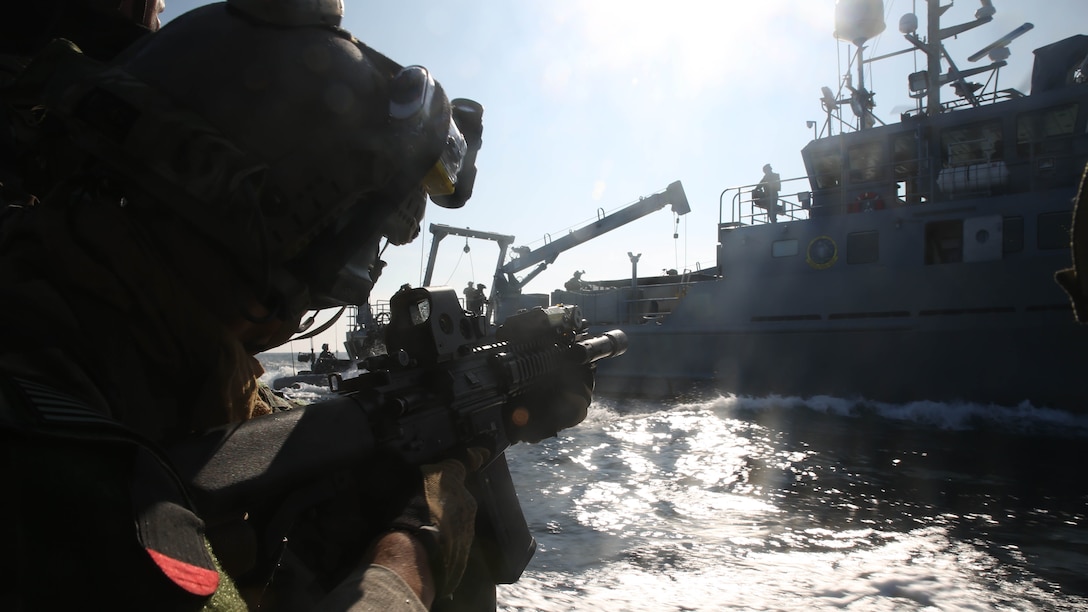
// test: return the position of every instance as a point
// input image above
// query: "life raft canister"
(866, 202)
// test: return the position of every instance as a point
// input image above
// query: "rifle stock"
(443, 386)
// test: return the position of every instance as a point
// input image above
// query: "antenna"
(830, 103)
(997, 49)
(828, 98)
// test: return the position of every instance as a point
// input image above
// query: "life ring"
(822, 253)
(866, 202)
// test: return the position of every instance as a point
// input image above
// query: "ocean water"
(783, 503)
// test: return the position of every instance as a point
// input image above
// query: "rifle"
(443, 385)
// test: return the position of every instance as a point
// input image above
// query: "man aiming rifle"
(223, 176)
(443, 389)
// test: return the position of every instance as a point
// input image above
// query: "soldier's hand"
(442, 515)
(560, 402)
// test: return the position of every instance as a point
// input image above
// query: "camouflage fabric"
(1075, 279)
(91, 309)
(94, 306)
(97, 26)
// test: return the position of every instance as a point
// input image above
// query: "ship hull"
(882, 321)
(1040, 359)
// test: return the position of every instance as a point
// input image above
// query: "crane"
(542, 257)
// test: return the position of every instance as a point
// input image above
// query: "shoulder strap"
(33, 408)
(170, 532)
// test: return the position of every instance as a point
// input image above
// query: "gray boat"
(915, 261)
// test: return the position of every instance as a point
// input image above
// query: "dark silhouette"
(765, 194)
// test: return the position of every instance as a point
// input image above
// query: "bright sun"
(697, 44)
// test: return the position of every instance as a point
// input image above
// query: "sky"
(590, 105)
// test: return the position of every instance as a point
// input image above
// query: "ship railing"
(989, 97)
(360, 317)
(632, 304)
(746, 207)
(988, 158)
(363, 321)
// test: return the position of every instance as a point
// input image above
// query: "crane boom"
(441, 231)
(672, 195)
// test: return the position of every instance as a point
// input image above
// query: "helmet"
(288, 144)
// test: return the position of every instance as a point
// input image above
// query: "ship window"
(1037, 127)
(967, 145)
(862, 247)
(828, 168)
(905, 155)
(1012, 235)
(905, 166)
(784, 248)
(865, 162)
(1053, 230)
(944, 242)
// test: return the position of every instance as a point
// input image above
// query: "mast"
(859, 20)
(933, 47)
(856, 22)
(933, 56)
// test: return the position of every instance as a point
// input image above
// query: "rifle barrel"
(609, 344)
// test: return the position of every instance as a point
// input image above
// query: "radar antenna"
(998, 51)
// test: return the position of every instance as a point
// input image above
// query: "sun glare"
(698, 44)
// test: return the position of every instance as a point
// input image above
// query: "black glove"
(557, 403)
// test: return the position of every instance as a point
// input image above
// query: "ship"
(320, 369)
(365, 338)
(915, 261)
